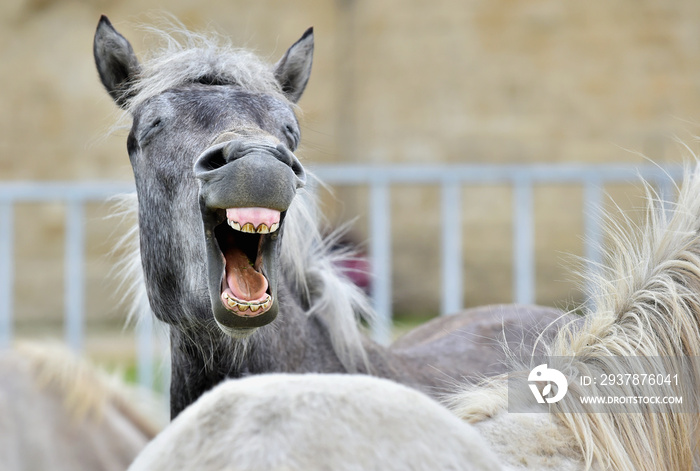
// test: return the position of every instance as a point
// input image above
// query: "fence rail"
(451, 179)
(379, 179)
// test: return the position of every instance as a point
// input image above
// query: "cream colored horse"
(316, 422)
(59, 413)
(646, 305)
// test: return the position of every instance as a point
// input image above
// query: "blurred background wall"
(446, 81)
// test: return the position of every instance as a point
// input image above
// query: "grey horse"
(231, 255)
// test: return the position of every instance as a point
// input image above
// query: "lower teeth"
(242, 307)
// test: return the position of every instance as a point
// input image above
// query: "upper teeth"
(249, 228)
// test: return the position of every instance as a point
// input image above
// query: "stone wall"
(498, 81)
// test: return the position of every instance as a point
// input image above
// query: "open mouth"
(243, 199)
(245, 288)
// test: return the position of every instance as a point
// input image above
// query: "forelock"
(186, 57)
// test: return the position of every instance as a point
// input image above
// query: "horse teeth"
(248, 227)
(251, 229)
(244, 306)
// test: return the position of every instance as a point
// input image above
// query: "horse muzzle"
(242, 174)
(245, 190)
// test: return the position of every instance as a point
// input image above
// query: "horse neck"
(204, 356)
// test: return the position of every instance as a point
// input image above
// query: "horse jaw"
(235, 315)
(245, 190)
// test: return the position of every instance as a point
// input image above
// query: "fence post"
(6, 272)
(380, 251)
(665, 188)
(452, 296)
(523, 242)
(592, 228)
(74, 290)
(144, 345)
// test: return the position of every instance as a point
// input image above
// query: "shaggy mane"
(312, 264)
(646, 303)
(85, 390)
(188, 57)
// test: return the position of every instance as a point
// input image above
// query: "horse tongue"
(246, 283)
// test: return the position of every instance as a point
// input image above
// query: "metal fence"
(379, 179)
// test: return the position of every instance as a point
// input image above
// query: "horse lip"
(230, 322)
(240, 334)
(243, 308)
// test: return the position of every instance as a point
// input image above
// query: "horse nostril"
(301, 175)
(217, 156)
(210, 160)
(286, 156)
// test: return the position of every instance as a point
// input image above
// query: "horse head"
(212, 147)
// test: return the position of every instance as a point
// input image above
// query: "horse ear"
(293, 70)
(116, 62)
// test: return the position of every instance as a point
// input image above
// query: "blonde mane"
(646, 304)
(85, 390)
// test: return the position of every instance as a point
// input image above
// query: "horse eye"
(156, 123)
(151, 130)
